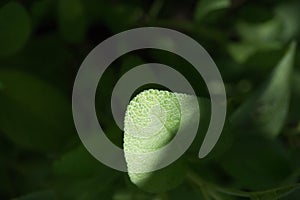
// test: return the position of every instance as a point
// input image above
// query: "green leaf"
(146, 114)
(256, 37)
(149, 109)
(32, 172)
(130, 62)
(266, 110)
(213, 190)
(254, 13)
(274, 193)
(68, 165)
(5, 181)
(260, 32)
(85, 188)
(78, 175)
(14, 28)
(204, 7)
(256, 163)
(288, 13)
(72, 20)
(45, 195)
(40, 60)
(184, 192)
(295, 106)
(293, 195)
(120, 17)
(34, 115)
(243, 51)
(135, 195)
(240, 52)
(41, 11)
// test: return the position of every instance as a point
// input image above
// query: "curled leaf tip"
(151, 121)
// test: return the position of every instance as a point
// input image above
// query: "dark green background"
(43, 43)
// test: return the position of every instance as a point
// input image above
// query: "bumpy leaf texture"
(151, 121)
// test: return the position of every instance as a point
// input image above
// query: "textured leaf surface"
(151, 121)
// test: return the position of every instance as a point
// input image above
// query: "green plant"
(153, 118)
(253, 43)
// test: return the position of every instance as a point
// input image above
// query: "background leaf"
(204, 7)
(255, 163)
(15, 28)
(265, 111)
(72, 20)
(42, 123)
(274, 193)
(46, 195)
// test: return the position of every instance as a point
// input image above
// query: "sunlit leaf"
(15, 28)
(163, 112)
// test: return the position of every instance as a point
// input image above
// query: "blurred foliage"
(43, 43)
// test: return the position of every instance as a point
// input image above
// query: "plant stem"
(213, 189)
(201, 183)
